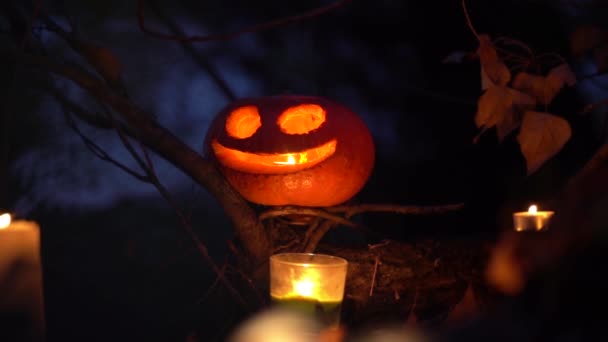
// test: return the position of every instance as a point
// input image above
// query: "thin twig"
(99, 151)
(514, 42)
(351, 210)
(187, 225)
(588, 108)
(30, 29)
(215, 282)
(227, 36)
(247, 226)
(148, 167)
(95, 120)
(197, 241)
(286, 246)
(466, 15)
(196, 56)
(311, 228)
(371, 288)
(317, 235)
(282, 211)
(251, 284)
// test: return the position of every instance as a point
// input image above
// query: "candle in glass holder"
(309, 283)
(533, 219)
(21, 299)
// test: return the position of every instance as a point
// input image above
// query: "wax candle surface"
(21, 298)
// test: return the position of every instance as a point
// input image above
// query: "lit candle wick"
(533, 209)
(5, 220)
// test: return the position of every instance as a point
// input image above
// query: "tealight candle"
(533, 219)
(309, 283)
(21, 298)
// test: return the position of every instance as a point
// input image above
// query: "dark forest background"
(116, 263)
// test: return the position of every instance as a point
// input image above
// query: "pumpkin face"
(292, 150)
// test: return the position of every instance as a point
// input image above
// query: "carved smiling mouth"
(268, 163)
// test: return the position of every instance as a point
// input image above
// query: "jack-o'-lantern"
(292, 150)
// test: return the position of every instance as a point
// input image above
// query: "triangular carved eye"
(243, 122)
(301, 119)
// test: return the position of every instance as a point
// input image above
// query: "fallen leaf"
(466, 308)
(499, 106)
(491, 63)
(542, 135)
(586, 38)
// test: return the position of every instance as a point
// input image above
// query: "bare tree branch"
(189, 49)
(95, 120)
(282, 211)
(98, 151)
(227, 36)
(247, 226)
(317, 235)
(351, 210)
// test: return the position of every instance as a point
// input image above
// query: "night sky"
(116, 260)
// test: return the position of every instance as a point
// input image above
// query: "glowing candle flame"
(291, 160)
(5, 220)
(304, 287)
(533, 209)
(307, 284)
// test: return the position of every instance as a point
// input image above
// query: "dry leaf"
(499, 106)
(561, 75)
(508, 124)
(542, 135)
(586, 38)
(492, 106)
(486, 82)
(544, 89)
(491, 63)
(466, 308)
(534, 85)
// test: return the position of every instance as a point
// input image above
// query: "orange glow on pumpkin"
(301, 119)
(291, 150)
(266, 163)
(243, 122)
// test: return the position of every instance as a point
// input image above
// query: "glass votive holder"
(312, 284)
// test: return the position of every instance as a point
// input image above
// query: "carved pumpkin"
(292, 150)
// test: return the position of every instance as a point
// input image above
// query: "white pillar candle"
(21, 294)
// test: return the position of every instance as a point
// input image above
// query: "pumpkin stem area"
(272, 163)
